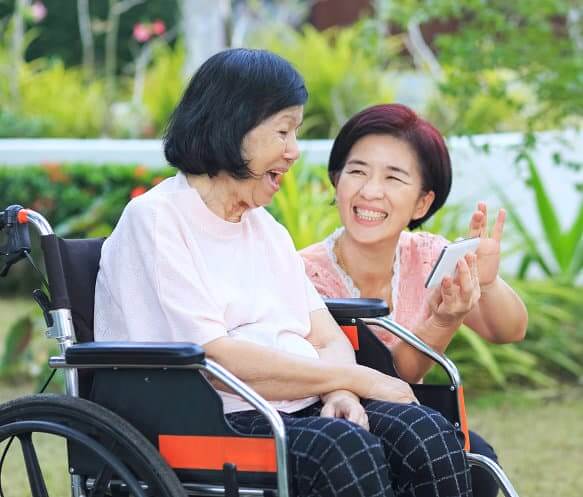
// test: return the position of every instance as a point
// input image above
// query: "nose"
(292, 149)
(372, 189)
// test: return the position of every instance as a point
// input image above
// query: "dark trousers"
(483, 485)
(411, 451)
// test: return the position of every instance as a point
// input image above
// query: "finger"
(465, 275)
(474, 269)
(364, 421)
(476, 223)
(484, 210)
(499, 225)
(353, 414)
(328, 411)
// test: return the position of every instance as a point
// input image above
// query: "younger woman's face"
(380, 190)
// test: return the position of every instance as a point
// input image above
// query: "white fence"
(474, 170)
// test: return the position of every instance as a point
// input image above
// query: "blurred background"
(87, 86)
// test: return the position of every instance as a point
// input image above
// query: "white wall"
(474, 170)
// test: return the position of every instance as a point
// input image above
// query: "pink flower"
(141, 32)
(158, 27)
(38, 11)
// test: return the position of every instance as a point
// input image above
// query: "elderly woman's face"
(271, 148)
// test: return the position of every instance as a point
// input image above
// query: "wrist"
(488, 287)
(445, 323)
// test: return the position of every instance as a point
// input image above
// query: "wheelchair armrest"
(357, 308)
(134, 353)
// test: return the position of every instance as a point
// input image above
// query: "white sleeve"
(181, 290)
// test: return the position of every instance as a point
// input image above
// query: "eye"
(395, 178)
(283, 133)
(356, 171)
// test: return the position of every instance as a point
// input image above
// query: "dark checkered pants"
(411, 450)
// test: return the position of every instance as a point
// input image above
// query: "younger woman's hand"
(451, 302)
(489, 249)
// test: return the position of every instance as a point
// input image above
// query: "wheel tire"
(115, 434)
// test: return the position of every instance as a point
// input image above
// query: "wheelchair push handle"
(15, 220)
(13, 223)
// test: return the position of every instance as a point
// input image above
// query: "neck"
(220, 194)
(369, 266)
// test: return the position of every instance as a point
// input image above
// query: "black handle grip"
(55, 272)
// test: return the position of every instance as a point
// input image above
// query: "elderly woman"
(198, 258)
(392, 171)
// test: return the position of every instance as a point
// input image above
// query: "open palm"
(489, 249)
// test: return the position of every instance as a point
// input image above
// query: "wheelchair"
(143, 419)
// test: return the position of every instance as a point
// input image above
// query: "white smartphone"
(447, 261)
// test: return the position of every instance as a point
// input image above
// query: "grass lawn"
(538, 436)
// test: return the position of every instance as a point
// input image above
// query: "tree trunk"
(205, 30)
(86, 38)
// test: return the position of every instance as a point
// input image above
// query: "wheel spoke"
(35, 475)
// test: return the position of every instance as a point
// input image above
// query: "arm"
(449, 305)
(277, 375)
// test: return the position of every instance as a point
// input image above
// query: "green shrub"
(164, 83)
(83, 200)
(342, 78)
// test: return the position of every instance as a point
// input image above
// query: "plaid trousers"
(410, 450)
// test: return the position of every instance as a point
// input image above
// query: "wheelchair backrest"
(80, 263)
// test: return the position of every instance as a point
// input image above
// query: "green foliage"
(304, 205)
(341, 76)
(516, 55)
(164, 83)
(68, 105)
(90, 200)
(564, 258)
(80, 200)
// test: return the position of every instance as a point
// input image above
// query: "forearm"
(279, 375)
(338, 352)
(501, 316)
(412, 364)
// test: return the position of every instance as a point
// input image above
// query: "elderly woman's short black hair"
(230, 94)
(400, 122)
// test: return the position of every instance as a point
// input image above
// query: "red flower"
(137, 191)
(157, 180)
(141, 32)
(158, 27)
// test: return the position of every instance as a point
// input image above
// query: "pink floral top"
(415, 256)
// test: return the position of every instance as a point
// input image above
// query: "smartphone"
(447, 261)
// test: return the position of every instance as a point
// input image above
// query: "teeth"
(370, 215)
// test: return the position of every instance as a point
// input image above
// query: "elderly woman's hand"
(451, 302)
(489, 250)
(379, 386)
(345, 405)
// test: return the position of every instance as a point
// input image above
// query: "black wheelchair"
(143, 419)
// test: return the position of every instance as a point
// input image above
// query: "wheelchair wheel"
(127, 463)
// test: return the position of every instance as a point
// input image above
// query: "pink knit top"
(414, 258)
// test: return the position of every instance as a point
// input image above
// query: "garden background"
(503, 81)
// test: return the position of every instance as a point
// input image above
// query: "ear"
(424, 202)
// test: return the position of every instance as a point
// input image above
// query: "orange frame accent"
(351, 333)
(211, 452)
(22, 216)
(463, 417)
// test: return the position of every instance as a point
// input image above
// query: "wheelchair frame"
(73, 357)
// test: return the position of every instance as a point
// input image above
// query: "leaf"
(483, 355)
(548, 217)
(16, 342)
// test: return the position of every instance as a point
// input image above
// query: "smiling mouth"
(275, 177)
(369, 215)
